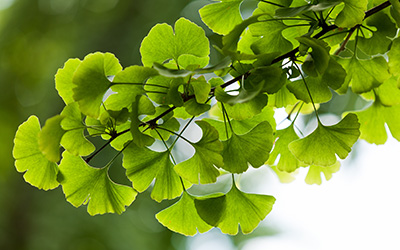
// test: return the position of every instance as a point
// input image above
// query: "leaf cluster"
(288, 54)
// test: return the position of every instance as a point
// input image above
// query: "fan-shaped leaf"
(64, 83)
(50, 138)
(83, 184)
(39, 171)
(314, 173)
(200, 168)
(321, 146)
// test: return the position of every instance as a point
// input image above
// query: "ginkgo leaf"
(163, 44)
(128, 84)
(182, 217)
(373, 119)
(299, 10)
(201, 89)
(388, 93)
(39, 171)
(395, 11)
(91, 82)
(74, 140)
(139, 108)
(287, 161)
(200, 168)
(380, 41)
(211, 208)
(251, 148)
(144, 165)
(63, 79)
(321, 146)
(314, 173)
(223, 16)
(319, 91)
(164, 90)
(83, 184)
(352, 14)
(363, 75)
(246, 210)
(284, 177)
(394, 57)
(50, 137)
(318, 60)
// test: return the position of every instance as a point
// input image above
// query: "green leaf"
(395, 11)
(318, 60)
(144, 165)
(49, 138)
(363, 75)
(388, 93)
(74, 140)
(240, 126)
(83, 184)
(194, 108)
(141, 106)
(352, 14)
(320, 92)
(373, 119)
(164, 90)
(287, 161)
(182, 217)
(223, 16)
(132, 81)
(39, 171)
(321, 146)
(201, 89)
(314, 173)
(63, 79)
(251, 148)
(163, 44)
(394, 57)
(211, 208)
(380, 41)
(243, 111)
(246, 210)
(200, 168)
(92, 83)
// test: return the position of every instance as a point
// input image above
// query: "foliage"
(287, 53)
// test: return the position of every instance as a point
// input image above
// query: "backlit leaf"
(50, 137)
(200, 168)
(83, 184)
(63, 79)
(352, 13)
(74, 140)
(251, 148)
(223, 16)
(182, 217)
(314, 173)
(246, 210)
(163, 44)
(91, 81)
(39, 171)
(321, 146)
(144, 165)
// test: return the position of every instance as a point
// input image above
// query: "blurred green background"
(36, 38)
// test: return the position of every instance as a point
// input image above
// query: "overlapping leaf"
(74, 140)
(39, 171)
(287, 161)
(314, 173)
(200, 168)
(251, 148)
(91, 81)
(186, 40)
(373, 119)
(394, 57)
(83, 184)
(363, 75)
(182, 217)
(222, 16)
(352, 13)
(50, 137)
(144, 165)
(63, 79)
(321, 146)
(238, 208)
